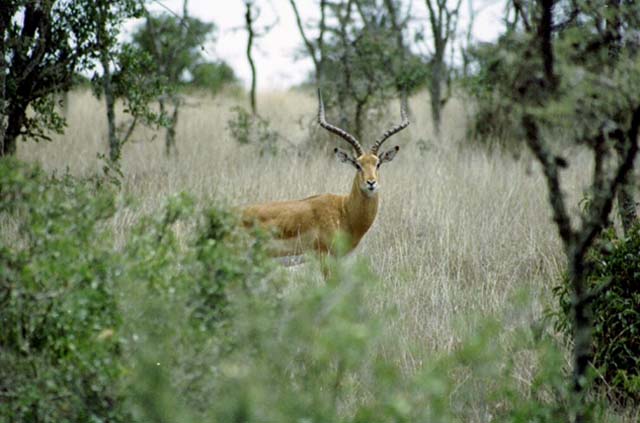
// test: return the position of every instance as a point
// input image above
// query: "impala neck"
(361, 210)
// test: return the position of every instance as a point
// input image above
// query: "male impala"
(313, 223)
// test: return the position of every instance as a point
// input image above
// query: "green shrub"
(492, 118)
(78, 310)
(253, 130)
(319, 354)
(57, 303)
(180, 272)
(614, 277)
(213, 76)
(223, 260)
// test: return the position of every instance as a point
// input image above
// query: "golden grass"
(459, 234)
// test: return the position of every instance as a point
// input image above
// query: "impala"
(314, 223)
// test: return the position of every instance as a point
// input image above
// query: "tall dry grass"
(460, 233)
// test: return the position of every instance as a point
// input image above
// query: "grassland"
(462, 234)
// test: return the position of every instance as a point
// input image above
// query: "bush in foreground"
(71, 302)
(58, 311)
(614, 275)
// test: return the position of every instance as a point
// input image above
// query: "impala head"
(366, 163)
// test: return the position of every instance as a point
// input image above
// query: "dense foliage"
(43, 45)
(493, 119)
(65, 290)
(212, 76)
(614, 277)
(247, 128)
(175, 44)
(58, 290)
(591, 62)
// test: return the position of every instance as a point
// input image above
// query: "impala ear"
(388, 155)
(344, 157)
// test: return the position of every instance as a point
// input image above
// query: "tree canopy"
(43, 44)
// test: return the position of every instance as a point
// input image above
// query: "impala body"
(315, 223)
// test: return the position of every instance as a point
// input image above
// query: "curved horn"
(395, 129)
(339, 132)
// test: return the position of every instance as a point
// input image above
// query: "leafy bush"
(252, 129)
(320, 354)
(178, 293)
(75, 309)
(57, 299)
(136, 86)
(614, 275)
(213, 76)
(492, 118)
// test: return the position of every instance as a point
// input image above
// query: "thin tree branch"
(517, 4)
(310, 48)
(552, 175)
(604, 198)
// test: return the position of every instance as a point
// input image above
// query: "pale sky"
(275, 53)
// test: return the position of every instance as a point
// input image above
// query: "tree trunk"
(444, 22)
(626, 198)
(114, 144)
(170, 138)
(316, 53)
(3, 92)
(63, 101)
(468, 40)
(435, 91)
(359, 118)
(347, 90)
(12, 114)
(400, 83)
(109, 99)
(627, 207)
(15, 120)
(250, 32)
(8, 146)
(582, 327)
(321, 54)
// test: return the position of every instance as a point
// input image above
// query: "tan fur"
(313, 223)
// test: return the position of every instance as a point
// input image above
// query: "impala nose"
(371, 183)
